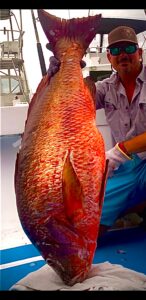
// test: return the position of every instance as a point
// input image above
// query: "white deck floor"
(12, 234)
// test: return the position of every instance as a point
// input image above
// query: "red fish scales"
(61, 167)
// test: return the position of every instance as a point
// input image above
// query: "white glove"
(116, 157)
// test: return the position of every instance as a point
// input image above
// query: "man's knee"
(139, 208)
(103, 229)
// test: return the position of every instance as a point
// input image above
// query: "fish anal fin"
(88, 81)
(103, 185)
(72, 192)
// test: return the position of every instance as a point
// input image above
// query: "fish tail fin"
(81, 29)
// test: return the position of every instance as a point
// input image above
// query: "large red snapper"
(60, 169)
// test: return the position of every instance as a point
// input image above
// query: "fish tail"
(81, 29)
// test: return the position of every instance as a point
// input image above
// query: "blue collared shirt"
(125, 120)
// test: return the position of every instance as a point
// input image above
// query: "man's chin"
(124, 66)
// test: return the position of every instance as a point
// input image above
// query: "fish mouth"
(71, 262)
(70, 276)
(77, 279)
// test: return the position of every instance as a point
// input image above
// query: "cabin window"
(5, 89)
(10, 86)
(15, 88)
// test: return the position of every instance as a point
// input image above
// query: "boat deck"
(126, 247)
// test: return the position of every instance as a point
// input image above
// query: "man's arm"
(136, 144)
(122, 151)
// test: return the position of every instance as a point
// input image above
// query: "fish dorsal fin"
(82, 29)
(72, 192)
(91, 86)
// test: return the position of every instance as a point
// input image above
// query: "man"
(123, 97)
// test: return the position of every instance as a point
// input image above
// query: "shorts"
(125, 189)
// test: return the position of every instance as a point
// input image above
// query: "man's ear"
(140, 51)
(109, 56)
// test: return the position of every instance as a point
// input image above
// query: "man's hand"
(55, 65)
(116, 157)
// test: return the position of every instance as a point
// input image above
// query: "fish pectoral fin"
(91, 86)
(103, 185)
(72, 192)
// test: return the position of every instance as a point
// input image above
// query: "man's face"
(125, 57)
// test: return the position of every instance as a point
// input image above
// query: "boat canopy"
(108, 24)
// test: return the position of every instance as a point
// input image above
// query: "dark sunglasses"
(130, 49)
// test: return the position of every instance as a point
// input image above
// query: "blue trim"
(18, 253)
